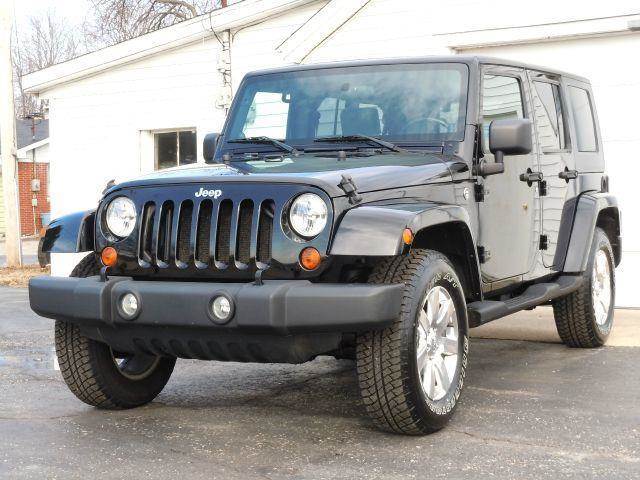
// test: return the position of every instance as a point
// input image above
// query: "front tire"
(584, 318)
(411, 374)
(101, 377)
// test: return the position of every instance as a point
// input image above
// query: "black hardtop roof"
(467, 59)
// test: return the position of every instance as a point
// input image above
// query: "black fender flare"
(591, 209)
(376, 230)
(70, 234)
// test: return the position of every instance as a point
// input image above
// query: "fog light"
(221, 309)
(129, 306)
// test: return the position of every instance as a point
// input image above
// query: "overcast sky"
(74, 11)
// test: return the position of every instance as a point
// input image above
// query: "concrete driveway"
(530, 410)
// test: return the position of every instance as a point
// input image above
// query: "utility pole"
(8, 139)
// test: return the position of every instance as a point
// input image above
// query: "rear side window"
(549, 116)
(501, 99)
(583, 116)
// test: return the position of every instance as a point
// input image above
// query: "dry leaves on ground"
(19, 277)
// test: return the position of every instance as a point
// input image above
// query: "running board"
(537, 294)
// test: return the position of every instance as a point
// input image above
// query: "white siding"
(99, 124)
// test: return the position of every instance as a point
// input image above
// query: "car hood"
(369, 173)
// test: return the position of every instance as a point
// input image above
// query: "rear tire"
(584, 318)
(411, 374)
(103, 378)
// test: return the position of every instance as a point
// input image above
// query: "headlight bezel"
(110, 216)
(323, 213)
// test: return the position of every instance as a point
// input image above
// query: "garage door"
(1, 209)
(616, 86)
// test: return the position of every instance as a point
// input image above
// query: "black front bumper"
(289, 320)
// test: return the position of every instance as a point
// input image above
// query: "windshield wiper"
(266, 140)
(361, 138)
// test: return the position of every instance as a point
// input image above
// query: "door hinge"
(542, 188)
(480, 191)
(544, 242)
(484, 255)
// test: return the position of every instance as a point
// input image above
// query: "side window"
(267, 116)
(583, 116)
(549, 116)
(501, 99)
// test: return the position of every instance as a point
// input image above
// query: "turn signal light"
(407, 236)
(310, 258)
(109, 257)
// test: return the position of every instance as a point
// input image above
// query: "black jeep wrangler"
(370, 210)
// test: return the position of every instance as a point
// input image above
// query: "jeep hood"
(369, 173)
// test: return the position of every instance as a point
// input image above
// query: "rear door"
(509, 214)
(553, 151)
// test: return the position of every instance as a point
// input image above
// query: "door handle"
(531, 177)
(567, 174)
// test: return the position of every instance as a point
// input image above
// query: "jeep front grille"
(206, 233)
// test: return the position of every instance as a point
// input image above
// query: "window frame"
(594, 125)
(177, 132)
(568, 144)
(497, 71)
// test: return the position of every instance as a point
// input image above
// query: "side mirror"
(509, 137)
(209, 145)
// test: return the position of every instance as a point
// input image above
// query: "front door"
(554, 157)
(509, 216)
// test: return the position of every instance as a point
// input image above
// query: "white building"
(149, 102)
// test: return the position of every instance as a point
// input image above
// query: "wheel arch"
(593, 209)
(376, 231)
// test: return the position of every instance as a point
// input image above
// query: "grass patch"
(19, 277)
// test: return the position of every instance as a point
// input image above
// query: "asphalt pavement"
(529, 410)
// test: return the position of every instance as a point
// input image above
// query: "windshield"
(418, 104)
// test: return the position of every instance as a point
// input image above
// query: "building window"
(583, 117)
(175, 148)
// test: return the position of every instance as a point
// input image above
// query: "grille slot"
(265, 231)
(184, 233)
(207, 234)
(146, 233)
(203, 232)
(164, 234)
(223, 237)
(243, 242)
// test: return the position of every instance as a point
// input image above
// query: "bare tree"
(46, 41)
(119, 20)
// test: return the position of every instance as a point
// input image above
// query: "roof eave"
(237, 15)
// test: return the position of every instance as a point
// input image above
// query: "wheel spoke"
(423, 321)
(441, 373)
(423, 357)
(450, 346)
(444, 316)
(429, 380)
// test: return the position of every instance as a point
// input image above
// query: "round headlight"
(121, 217)
(308, 215)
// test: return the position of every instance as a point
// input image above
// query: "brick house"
(32, 138)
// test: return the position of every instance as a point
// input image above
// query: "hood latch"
(348, 186)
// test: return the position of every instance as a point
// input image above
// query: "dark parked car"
(369, 210)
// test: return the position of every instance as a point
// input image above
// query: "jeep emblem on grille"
(208, 193)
